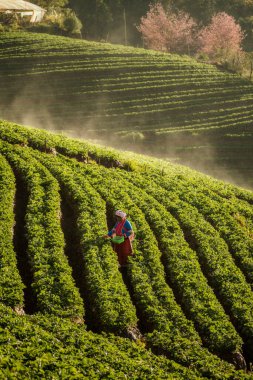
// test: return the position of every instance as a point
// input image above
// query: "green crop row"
(107, 61)
(207, 127)
(239, 209)
(58, 62)
(107, 295)
(242, 197)
(216, 119)
(136, 83)
(26, 65)
(72, 82)
(157, 121)
(52, 281)
(41, 140)
(50, 44)
(180, 94)
(150, 291)
(199, 99)
(41, 44)
(47, 54)
(246, 315)
(146, 89)
(182, 107)
(217, 213)
(182, 269)
(11, 286)
(52, 348)
(212, 127)
(222, 273)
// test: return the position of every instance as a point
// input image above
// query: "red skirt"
(123, 250)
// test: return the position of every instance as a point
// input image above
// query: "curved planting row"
(162, 255)
(107, 297)
(181, 266)
(104, 190)
(47, 142)
(100, 60)
(52, 279)
(11, 286)
(174, 332)
(219, 267)
(173, 103)
(50, 347)
(238, 202)
(218, 214)
(42, 140)
(166, 329)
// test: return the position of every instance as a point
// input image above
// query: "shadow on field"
(246, 357)
(142, 326)
(74, 254)
(21, 244)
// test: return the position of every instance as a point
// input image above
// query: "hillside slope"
(155, 103)
(186, 293)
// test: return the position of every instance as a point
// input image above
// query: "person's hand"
(106, 237)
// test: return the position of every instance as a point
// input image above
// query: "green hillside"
(182, 309)
(156, 103)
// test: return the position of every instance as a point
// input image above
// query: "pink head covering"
(121, 214)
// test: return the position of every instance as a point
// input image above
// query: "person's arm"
(128, 230)
(111, 232)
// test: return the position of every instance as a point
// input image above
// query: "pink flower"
(167, 31)
(222, 37)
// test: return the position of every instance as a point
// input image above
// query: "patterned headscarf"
(121, 214)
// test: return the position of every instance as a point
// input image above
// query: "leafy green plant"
(11, 286)
(52, 280)
(180, 241)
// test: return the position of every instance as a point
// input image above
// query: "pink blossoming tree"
(168, 31)
(221, 39)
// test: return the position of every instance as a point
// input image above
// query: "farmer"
(122, 228)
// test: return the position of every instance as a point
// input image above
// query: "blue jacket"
(126, 229)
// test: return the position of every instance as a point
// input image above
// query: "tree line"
(116, 20)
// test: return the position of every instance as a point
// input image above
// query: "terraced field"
(156, 103)
(182, 309)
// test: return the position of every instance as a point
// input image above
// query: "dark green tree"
(98, 16)
(201, 10)
(236, 8)
(134, 10)
(71, 24)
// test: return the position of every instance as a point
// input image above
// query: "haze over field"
(180, 304)
(160, 104)
(186, 293)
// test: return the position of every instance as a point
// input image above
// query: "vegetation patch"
(188, 304)
(158, 103)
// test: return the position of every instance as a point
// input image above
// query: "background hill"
(161, 104)
(182, 309)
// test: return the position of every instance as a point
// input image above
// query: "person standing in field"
(123, 232)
